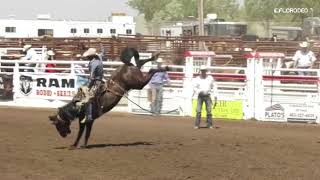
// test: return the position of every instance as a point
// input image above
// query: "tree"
(225, 9)
(148, 7)
(261, 11)
(264, 10)
(175, 10)
(312, 7)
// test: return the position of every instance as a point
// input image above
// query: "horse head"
(65, 115)
(62, 126)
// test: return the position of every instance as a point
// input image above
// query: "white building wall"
(29, 28)
(175, 31)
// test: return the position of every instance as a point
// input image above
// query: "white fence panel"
(263, 90)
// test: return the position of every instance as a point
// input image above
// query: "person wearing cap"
(50, 66)
(156, 88)
(30, 55)
(304, 58)
(95, 79)
(203, 86)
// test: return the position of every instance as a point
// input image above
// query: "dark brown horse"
(108, 95)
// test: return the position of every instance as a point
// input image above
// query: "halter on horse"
(123, 79)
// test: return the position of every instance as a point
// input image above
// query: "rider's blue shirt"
(96, 69)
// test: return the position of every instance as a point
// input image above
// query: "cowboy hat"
(90, 52)
(26, 47)
(159, 60)
(304, 44)
(50, 53)
(203, 68)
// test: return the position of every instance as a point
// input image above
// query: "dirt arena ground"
(125, 146)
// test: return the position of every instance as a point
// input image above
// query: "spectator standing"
(156, 88)
(50, 66)
(30, 55)
(304, 58)
(203, 86)
(274, 38)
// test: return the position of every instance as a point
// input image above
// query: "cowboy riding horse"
(126, 77)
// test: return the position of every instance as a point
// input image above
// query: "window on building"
(73, 30)
(112, 31)
(99, 31)
(129, 31)
(86, 30)
(45, 32)
(10, 29)
(168, 32)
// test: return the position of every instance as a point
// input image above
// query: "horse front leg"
(88, 132)
(143, 61)
(80, 132)
(144, 80)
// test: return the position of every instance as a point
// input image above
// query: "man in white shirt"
(31, 55)
(304, 58)
(203, 85)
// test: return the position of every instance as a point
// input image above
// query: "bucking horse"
(108, 94)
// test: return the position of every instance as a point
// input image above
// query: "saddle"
(94, 95)
(91, 95)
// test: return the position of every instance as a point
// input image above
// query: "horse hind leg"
(80, 132)
(88, 132)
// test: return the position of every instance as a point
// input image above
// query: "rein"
(116, 84)
(167, 112)
(123, 94)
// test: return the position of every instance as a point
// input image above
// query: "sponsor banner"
(301, 112)
(54, 87)
(232, 110)
(291, 112)
(275, 112)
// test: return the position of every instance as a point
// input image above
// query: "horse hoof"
(84, 147)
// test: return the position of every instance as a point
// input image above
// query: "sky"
(64, 9)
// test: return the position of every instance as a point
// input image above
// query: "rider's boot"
(88, 113)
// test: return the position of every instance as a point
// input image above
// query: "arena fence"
(262, 90)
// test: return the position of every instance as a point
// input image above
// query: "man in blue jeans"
(203, 85)
(156, 88)
(96, 76)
